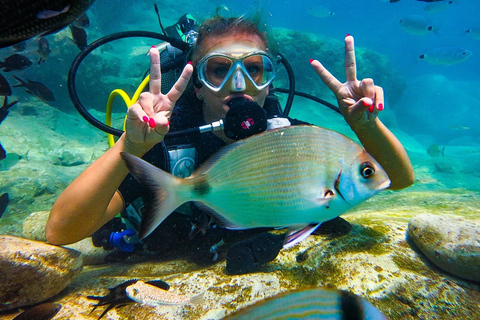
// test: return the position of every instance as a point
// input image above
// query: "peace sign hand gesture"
(148, 119)
(359, 101)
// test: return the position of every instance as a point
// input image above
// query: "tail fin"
(21, 81)
(163, 187)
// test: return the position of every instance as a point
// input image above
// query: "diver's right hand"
(148, 119)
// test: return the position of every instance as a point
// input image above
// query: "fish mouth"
(384, 185)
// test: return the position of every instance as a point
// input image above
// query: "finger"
(146, 103)
(368, 88)
(135, 112)
(330, 81)
(181, 84)
(379, 99)
(155, 73)
(350, 64)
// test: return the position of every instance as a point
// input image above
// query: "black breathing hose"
(72, 73)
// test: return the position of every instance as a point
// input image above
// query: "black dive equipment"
(184, 44)
(243, 119)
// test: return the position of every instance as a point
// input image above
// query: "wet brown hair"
(219, 26)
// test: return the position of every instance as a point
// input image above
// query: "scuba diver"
(231, 66)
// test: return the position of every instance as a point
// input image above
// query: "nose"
(238, 81)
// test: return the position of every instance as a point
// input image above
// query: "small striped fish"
(310, 303)
(288, 177)
(149, 295)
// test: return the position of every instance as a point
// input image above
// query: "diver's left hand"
(359, 101)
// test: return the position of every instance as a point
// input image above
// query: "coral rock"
(451, 243)
(33, 271)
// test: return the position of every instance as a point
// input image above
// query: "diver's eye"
(367, 170)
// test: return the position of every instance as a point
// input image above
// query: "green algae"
(403, 262)
(365, 239)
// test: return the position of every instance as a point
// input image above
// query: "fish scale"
(316, 170)
(285, 177)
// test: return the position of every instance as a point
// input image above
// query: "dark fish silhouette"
(44, 311)
(43, 50)
(3, 202)
(3, 153)
(117, 297)
(35, 88)
(4, 109)
(5, 89)
(15, 62)
(23, 19)
(79, 36)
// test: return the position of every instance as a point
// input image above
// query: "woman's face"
(215, 103)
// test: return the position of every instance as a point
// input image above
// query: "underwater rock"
(451, 243)
(33, 271)
(34, 229)
(68, 158)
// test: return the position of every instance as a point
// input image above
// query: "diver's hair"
(220, 26)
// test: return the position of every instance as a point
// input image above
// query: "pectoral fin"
(296, 235)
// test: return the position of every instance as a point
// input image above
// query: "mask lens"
(259, 68)
(216, 69)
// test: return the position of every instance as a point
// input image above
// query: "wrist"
(364, 126)
(136, 149)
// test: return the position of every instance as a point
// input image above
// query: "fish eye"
(367, 170)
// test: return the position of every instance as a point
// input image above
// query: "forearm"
(89, 201)
(380, 142)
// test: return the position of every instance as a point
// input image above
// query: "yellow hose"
(128, 102)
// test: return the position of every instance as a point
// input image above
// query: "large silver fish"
(288, 177)
(310, 303)
(446, 55)
(23, 19)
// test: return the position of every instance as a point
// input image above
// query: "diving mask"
(217, 69)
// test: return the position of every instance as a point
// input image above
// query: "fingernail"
(190, 62)
(365, 103)
(348, 34)
(145, 119)
(151, 122)
(311, 60)
(152, 47)
(380, 106)
(167, 124)
(371, 109)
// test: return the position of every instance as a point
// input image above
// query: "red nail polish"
(151, 122)
(167, 124)
(190, 62)
(145, 119)
(365, 103)
(311, 60)
(371, 109)
(152, 47)
(380, 106)
(348, 34)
